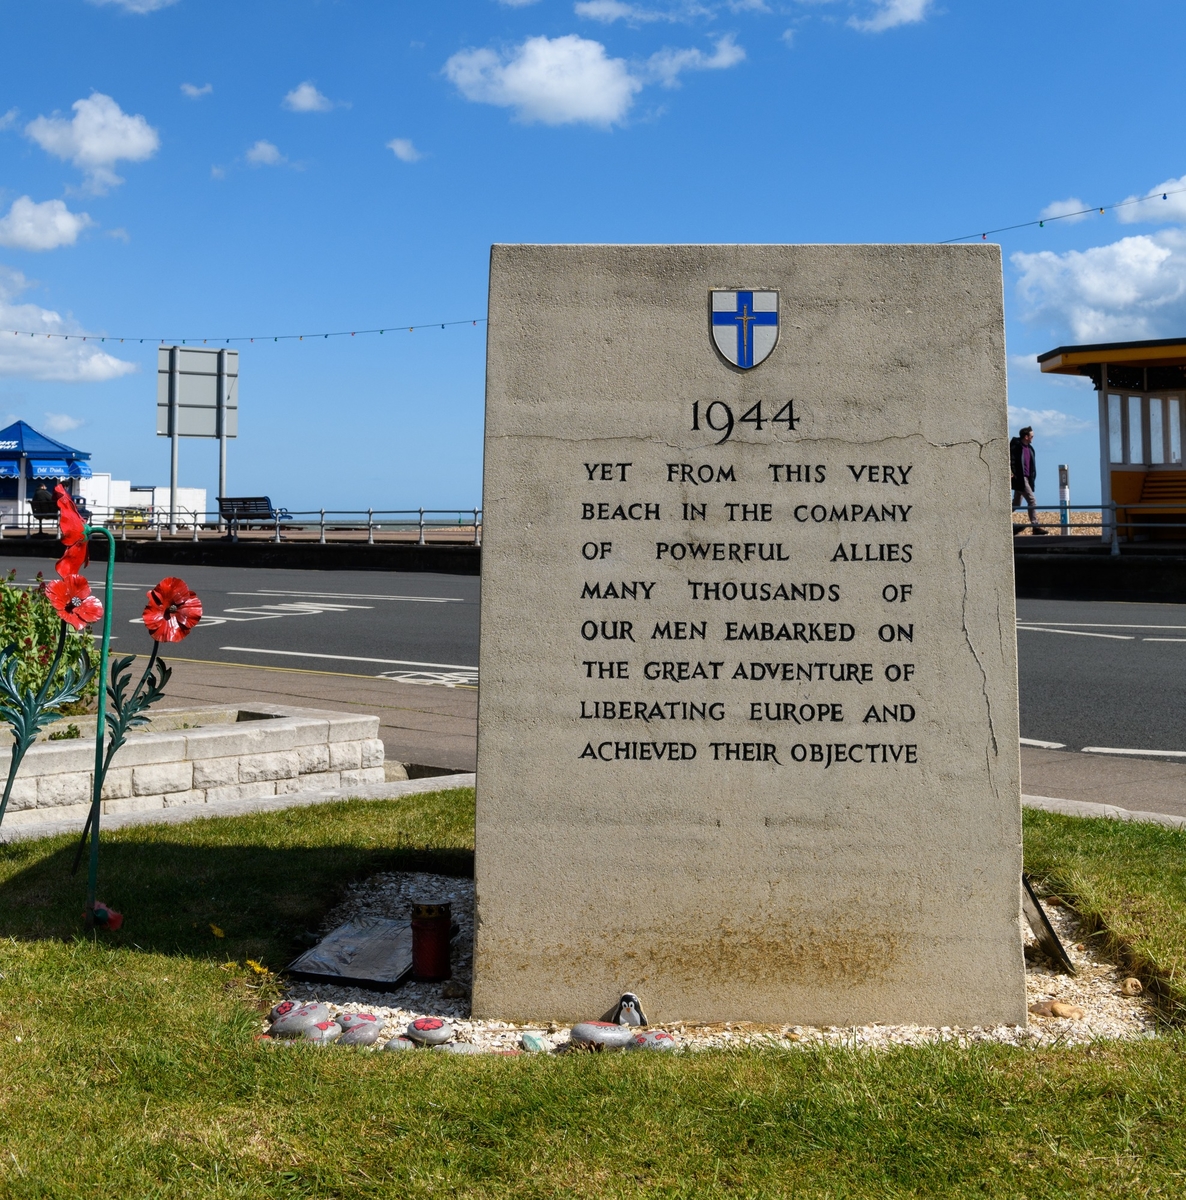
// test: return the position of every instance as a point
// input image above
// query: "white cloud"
(609, 11)
(1070, 210)
(196, 93)
(1134, 288)
(1155, 209)
(8, 119)
(666, 65)
(570, 79)
(137, 6)
(1048, 422)
(41, 357)
(557, 81)
(305, 98)
(44, 226)
(96, 138)
(265, 154)
(891, 13)
(788, 36)
(403, 149)
(61, 422)
(217, 172)
(517, 3)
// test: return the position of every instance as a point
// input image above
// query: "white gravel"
(1095, 989)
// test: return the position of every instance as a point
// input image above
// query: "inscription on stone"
(748, 719)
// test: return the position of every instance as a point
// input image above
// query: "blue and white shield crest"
(745, 326)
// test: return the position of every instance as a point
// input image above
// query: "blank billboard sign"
(197, 391)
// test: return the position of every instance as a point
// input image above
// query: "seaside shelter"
(28, 458)
(1141, 388)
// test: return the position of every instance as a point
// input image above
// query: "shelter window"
(1174, 407)
(1156, 428)
(1136, 442)
(1115, 430)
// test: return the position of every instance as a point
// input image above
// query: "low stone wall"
(200, 756)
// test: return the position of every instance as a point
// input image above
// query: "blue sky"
(202, 168)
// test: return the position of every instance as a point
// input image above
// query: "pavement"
(1130, 783)
(421, 725)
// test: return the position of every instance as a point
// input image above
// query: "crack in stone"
(992, 729)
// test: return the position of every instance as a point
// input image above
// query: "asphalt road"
(1096, 674)
(409, 627)
(1090, 674)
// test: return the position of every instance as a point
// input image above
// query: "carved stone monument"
(748, 718)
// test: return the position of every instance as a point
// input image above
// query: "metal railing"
(419, 526)
(1117, 524)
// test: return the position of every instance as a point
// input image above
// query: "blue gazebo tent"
(27, 455)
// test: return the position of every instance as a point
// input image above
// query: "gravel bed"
(1096, 990)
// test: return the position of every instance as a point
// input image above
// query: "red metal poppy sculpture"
(172, 610)
(72, 529)
(73, 601)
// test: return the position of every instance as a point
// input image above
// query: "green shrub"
(29, 623)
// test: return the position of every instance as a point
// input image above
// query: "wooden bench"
(244, 511)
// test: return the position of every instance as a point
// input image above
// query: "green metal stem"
(112, 747)
(101, 727)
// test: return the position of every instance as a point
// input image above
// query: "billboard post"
(197, 396)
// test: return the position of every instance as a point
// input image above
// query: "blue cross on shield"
(745, 326)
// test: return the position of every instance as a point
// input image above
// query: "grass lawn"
(136, 1073)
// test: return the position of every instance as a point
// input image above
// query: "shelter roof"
(1072, 360)
(19, 438)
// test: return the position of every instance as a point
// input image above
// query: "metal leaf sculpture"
(127, 712)
(28, 712)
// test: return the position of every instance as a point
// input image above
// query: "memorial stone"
(748, 737)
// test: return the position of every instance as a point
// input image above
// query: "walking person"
(1023, 464)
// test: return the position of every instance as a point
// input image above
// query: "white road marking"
(1043, 745)
(466, 679)
(1116, 637)
(1163, 639)
(389, 662)
(1145, 753)
(352, 596)
(1096, 624)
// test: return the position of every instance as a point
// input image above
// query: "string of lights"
(1079, 212)
(983, 236)
(279, 337)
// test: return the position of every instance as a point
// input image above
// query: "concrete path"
(1136, 784)
(425, 724)
(238, 808)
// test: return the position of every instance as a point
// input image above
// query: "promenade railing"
(1119, 525)
(419, 526)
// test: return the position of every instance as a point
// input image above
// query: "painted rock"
(601, 1035)
(459, 1048)
(652, 1039)
(535, 1043)
(349, 1021)
(296, 1020)
(630, 1010)
(429, 1031)
(323, 1032)
(400, 1043)
(361, 1035)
